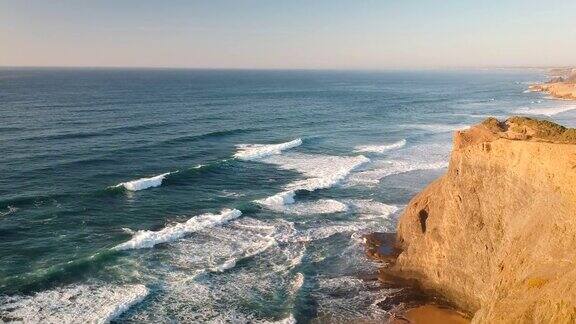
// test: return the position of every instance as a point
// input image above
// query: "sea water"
(221, 196)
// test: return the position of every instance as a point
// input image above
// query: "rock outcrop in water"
(497, 233)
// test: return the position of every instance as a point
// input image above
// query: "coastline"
(316, 272)
(561, 85)
(557, 90)
(429, 305)
(463, 269)
(419, 305)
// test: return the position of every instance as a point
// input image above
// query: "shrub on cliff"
(543, 129)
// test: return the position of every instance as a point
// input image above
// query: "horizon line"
(120, 67)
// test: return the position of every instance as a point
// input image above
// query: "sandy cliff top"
(497, 233)
(524, 128)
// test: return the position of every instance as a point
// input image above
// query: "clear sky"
(315, 34)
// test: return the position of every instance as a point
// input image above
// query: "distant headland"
(561, 85)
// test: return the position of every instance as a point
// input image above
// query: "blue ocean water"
(221, 196)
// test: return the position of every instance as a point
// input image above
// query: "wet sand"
(430, 314)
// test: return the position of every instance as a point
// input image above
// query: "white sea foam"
(288, 320)
(349, 300)
(440, 128)
(322, 206)
(325, 231)
(294, 257)
(144, 183)
(297, 283)
(321, 172)
(380, 148)
(187, 298)
(258, 151)
(147, 239)
(252, 251)
(217, 249)
(10, 210)
(325, 172)
(368, 209)
(284, 230)
(278, 201)
(73, 304)
(387, 168)
(545, 111)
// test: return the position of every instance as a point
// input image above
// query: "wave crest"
(258, 151)
(322, 206)
(147, 239)
(144, 183)
(380, 148)
(322, 172)
(372, 177)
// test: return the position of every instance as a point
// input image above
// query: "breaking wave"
(144, 183)
(228, 276)
(73, 304)
(321, 172)
(147, 239)
(254, 250)
(371, 177)
(547, 111)
(368, 209)
(326, 231)
(258, 151)
(380, 148)
(279, 203)
(218, 249)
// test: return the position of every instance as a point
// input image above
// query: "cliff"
(496, 234)
(560, 90)
(562, 85)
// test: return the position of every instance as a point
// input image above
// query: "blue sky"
(288, 34)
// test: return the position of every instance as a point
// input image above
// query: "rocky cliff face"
(497, 233)
(560, 90)
(562, 84)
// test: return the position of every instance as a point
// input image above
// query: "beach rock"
(496, 234)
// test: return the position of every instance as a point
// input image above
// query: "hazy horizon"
(324, 35)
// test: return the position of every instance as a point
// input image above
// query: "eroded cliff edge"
(497, 233)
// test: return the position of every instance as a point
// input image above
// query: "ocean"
(166, 195)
